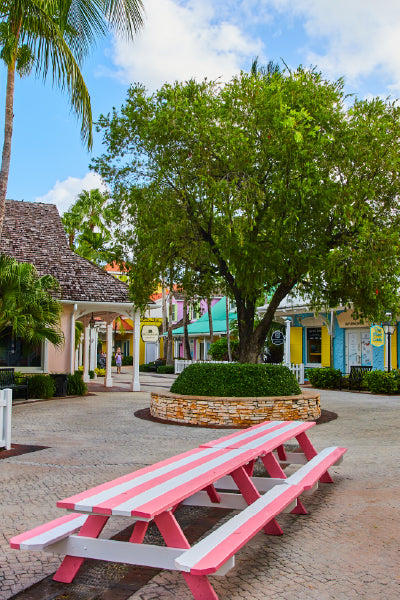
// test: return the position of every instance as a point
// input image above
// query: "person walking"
(118, 360)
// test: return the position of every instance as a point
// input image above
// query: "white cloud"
(356, 38)
(64, 193)
(181, 40)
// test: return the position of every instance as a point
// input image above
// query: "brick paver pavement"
(346, 547)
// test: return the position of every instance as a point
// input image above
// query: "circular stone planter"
(234, 412)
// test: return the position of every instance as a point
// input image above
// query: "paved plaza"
(346, 548)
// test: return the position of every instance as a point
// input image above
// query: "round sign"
(150, 333)
(277, 338)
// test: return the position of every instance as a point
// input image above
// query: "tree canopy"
(272, 182)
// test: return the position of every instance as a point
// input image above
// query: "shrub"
(91, 374)
(246, 380)
(41, 386)
(382, 382)
(75, 384)
(166, 369)
(325, 377)
(100, 372)
(144, 368)
(219, 349)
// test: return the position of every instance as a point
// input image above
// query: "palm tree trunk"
(8, 131)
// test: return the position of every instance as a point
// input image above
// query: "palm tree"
(28, 305)
(86, 227)
(54, 37)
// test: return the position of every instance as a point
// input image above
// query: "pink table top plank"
(150, 491)
(270, 439)
(224, 442)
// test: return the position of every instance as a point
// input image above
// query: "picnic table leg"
(310, 452)
(69, 567)
(139, 531)
(272, 466)
(251, 494)
(174, 537)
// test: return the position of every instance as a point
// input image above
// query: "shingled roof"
(33, 232)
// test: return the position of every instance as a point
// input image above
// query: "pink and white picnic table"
(219, 474)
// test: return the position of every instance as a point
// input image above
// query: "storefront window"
(314, 345)
(14, 353)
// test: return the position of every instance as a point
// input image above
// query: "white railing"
(297, 370)
(181, 363)
(5, 418)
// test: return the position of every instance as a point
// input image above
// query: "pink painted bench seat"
(317, 468)
(44, 535)
(208, 555)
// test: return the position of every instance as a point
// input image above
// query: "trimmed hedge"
(326, 377)
(75, 384)
(236, 380)
(383, 382)
(145, 368)
(41, 386)
(166, 369)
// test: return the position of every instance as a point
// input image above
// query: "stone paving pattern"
(346, 547)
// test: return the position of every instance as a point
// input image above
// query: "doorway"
(358, 348)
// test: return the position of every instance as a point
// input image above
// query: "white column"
(80, 355)
(136, 349)
(108, 380)
(72, 353)
(86, 341)
(288, 321)
(93, 349)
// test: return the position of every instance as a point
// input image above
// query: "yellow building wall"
(325, 347)
(129, 336)
(393, 350)
(296, 345)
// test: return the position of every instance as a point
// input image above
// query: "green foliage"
(75, 384)
(325, 378)
(268, 183)
(383, 382)
(28, 304)
(91, 374)
(219, 349)
(165, 369)
(100, 372)
(236, 380)
(127, 361)
(145, 368)
(41, 386)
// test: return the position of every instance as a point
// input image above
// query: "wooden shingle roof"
(33, 232)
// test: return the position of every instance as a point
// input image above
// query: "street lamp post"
(389, 330)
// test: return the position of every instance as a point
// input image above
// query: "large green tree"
(28, 303)
(52, 37)
(275, 181)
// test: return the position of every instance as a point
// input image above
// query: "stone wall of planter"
(234, 412)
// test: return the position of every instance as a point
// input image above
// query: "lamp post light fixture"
(389, 330)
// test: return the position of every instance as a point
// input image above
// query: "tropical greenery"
(272, 182)
(326, 377)
(52, 38)
(75, 384)
(41, 386)
(28, 304)
(235, 380)
(219, 349)
(85, 224)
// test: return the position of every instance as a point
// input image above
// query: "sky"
(355, 39)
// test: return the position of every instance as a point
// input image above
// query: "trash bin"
(60, 379)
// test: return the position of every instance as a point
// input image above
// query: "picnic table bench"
(7, 380)
(218, 474)
(355, 378)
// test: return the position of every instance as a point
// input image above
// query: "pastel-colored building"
(334, 338)
(33, 232)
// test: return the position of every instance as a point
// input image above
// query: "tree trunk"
(164, 324)
(8, 131)
(170, 348)
(210, 320)
(186, 345)
(228, 333)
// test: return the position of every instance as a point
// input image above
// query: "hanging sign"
(377, 336)
(150, 333)
(277, 338)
